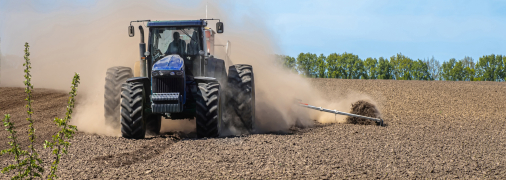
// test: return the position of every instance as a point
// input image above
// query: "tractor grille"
(168, 85)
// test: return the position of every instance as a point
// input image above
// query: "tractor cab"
(191, 40)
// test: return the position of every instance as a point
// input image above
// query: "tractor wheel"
(132, 111)
(153, 124)
(208, 112)
(241, 85)
(114, 78)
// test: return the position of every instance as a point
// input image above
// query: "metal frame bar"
(211, 19)
(139, 21)
(378, 120)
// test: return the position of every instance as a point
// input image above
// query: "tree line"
(399, 67)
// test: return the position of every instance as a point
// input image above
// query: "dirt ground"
(433, 130)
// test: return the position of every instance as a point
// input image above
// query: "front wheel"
(132, 115)
(208, 112)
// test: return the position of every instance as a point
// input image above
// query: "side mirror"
(131, 31)
(219, 27)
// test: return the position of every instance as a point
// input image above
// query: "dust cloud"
(71, 39)
(90, 39)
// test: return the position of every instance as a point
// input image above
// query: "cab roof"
(176, 23)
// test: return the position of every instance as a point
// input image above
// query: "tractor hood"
(170, 62)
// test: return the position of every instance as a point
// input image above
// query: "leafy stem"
(59, 144)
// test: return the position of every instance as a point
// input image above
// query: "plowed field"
(433, 130)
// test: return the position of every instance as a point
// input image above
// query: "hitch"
(378, 121)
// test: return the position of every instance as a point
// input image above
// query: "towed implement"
(378, 121)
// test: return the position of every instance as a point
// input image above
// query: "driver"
(177, 46)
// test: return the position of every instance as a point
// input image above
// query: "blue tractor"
(177, 78)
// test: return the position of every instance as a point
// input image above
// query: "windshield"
(183, 41)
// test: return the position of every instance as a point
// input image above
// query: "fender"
(205, 79)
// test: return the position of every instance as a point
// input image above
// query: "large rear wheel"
(241, 86)
(208, 112)
(132, 115)
(114, 78)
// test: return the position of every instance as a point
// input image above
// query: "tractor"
(178, 77)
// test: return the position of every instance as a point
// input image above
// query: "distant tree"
(468, 68)
(385, 69)
(469, 74)
(360, 69)
(484, 71)
(490, 68)
(457, 72)
(446, 70)
(353, 66)
(343, 66)
(401, 67)
(322, 66)
(462, 70)
(371, 68)
(501, 68)
(433, 66)
(416, 72)
(468, 62)
(334, 69)
(306, 64)
(504, 66)
(420, 70)
(290, 63)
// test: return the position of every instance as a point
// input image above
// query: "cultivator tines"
(378, 121)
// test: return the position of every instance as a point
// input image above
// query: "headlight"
(154, 73)
(172, 73)
(179, 73)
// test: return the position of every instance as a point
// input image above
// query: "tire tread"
(115, 77)
(132, 125)
(207, 111)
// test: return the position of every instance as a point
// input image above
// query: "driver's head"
(176, 35)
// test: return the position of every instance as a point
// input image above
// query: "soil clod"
(363, 108)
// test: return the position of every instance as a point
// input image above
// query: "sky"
(368, 28)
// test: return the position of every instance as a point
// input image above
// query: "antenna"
(206, 9)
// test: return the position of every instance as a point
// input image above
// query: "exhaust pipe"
(142, 50)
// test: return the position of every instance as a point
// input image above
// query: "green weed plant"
(27, 162)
